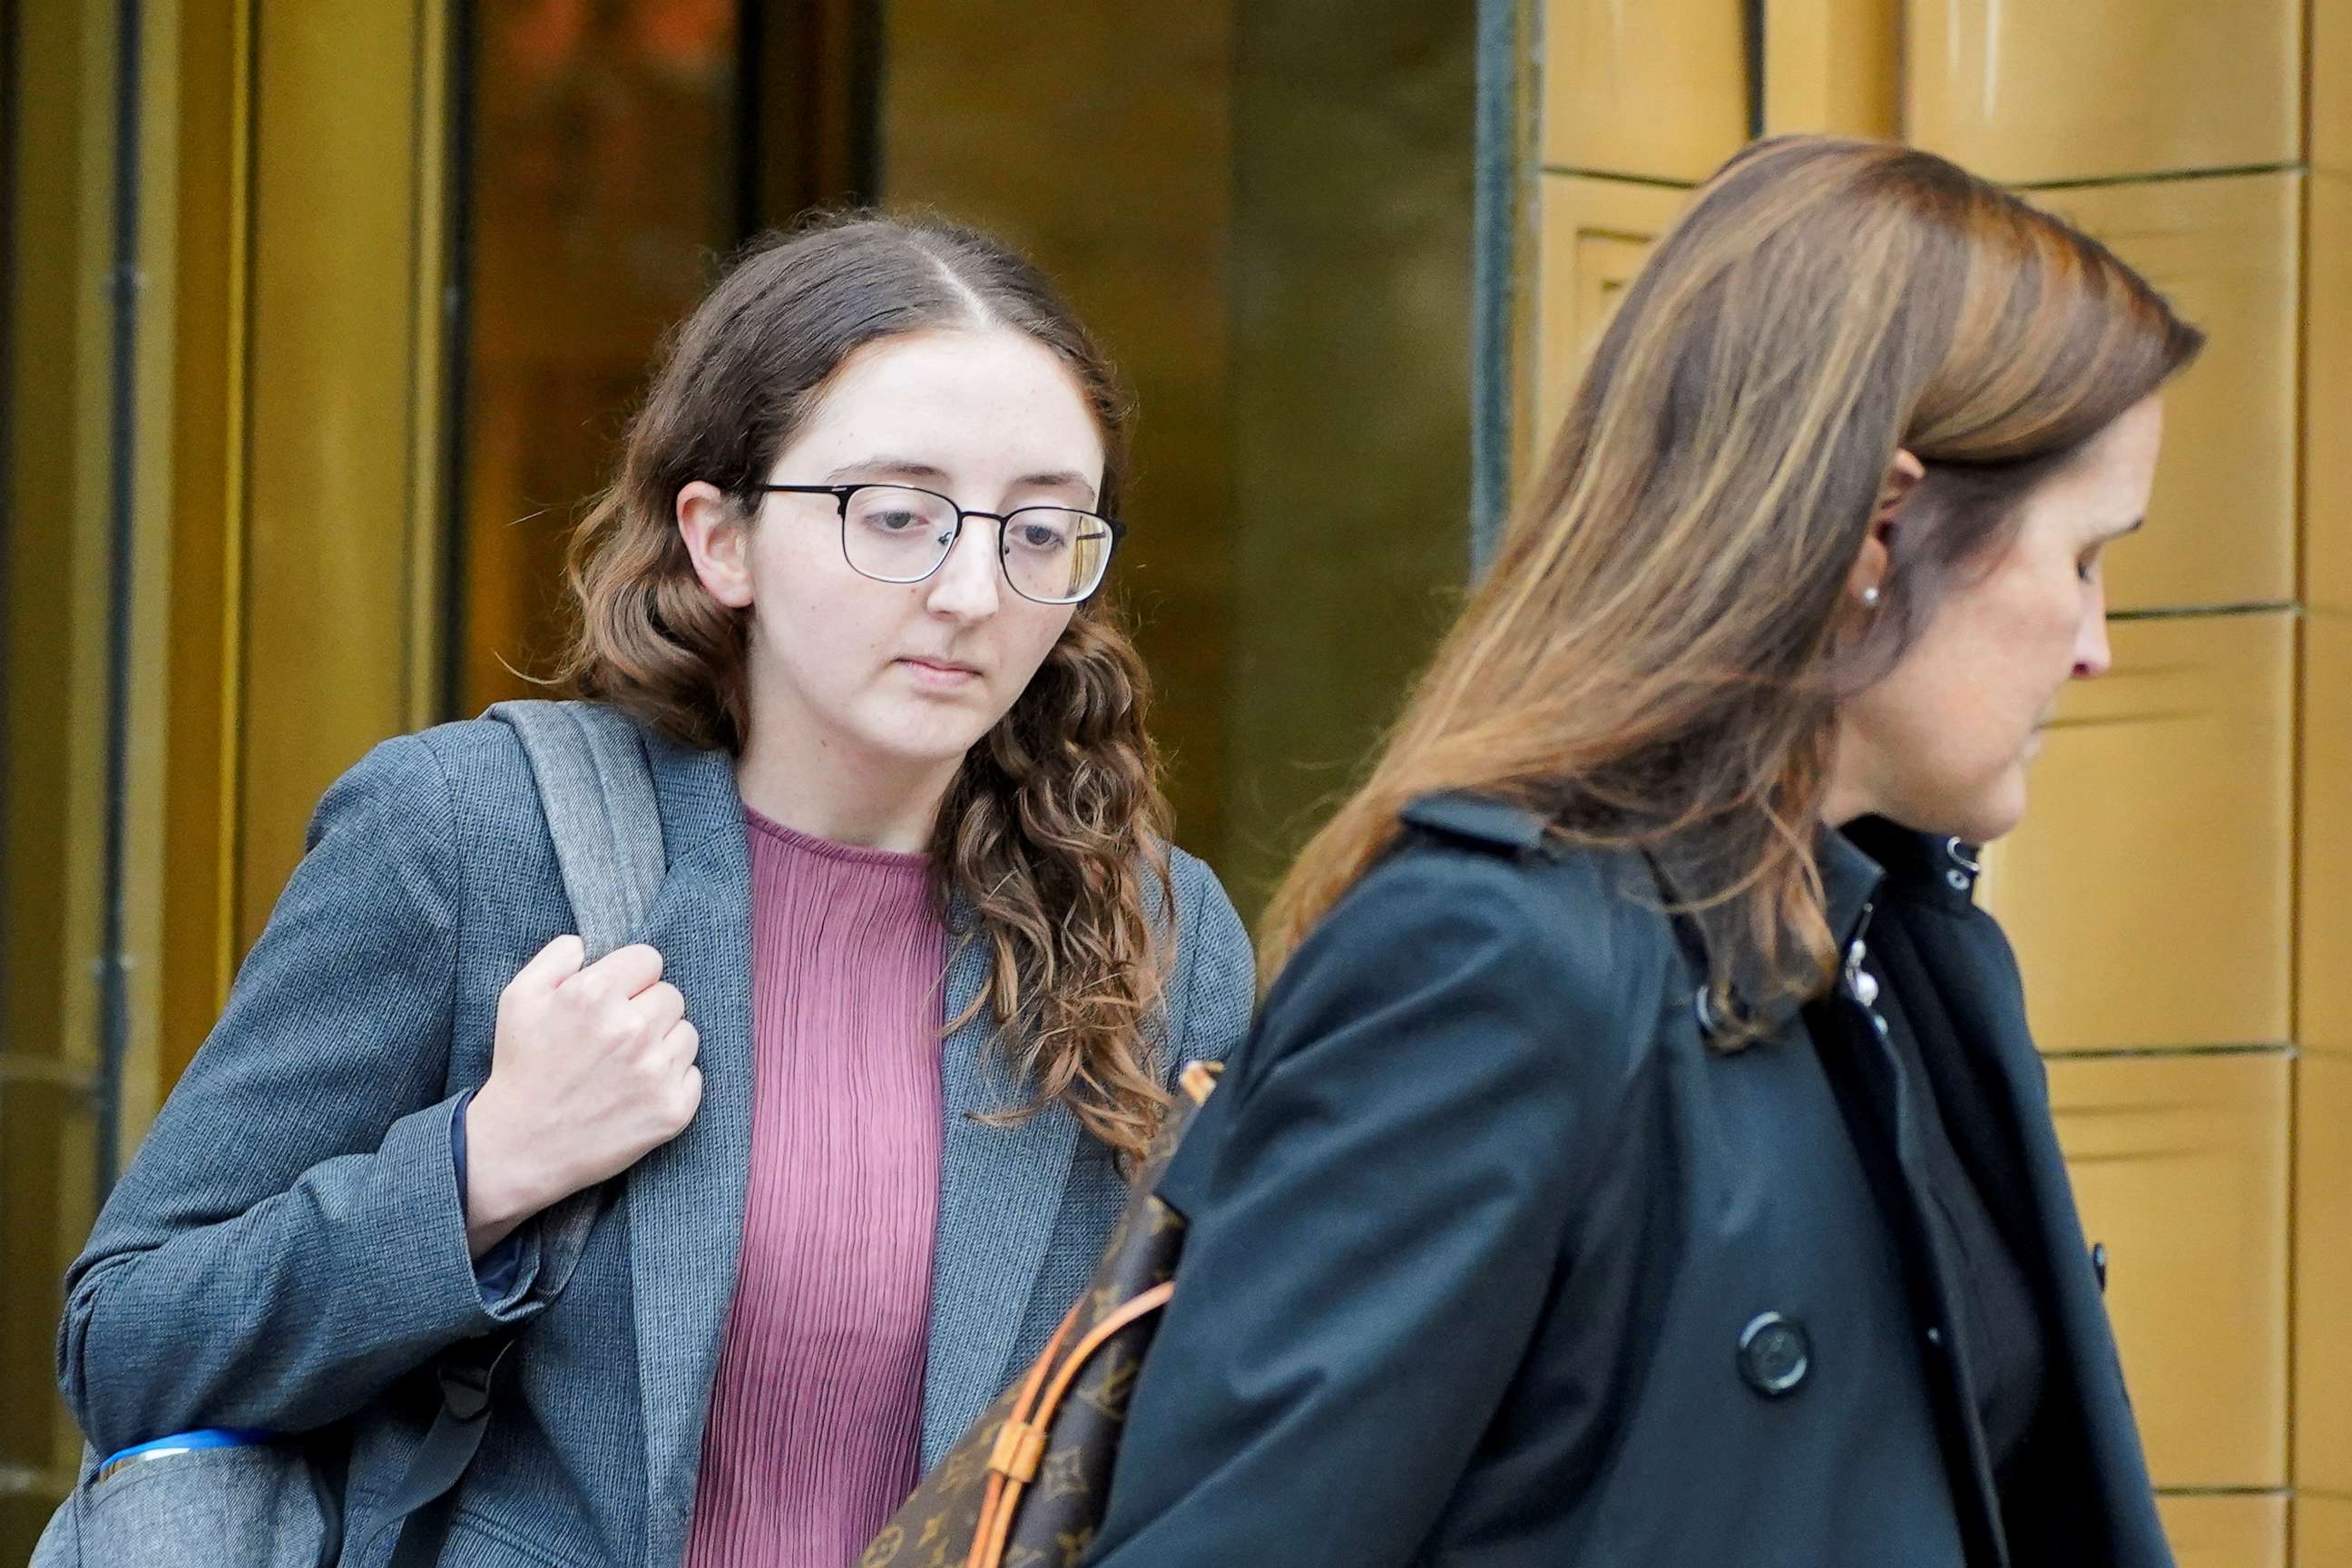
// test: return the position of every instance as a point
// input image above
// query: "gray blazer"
(288, 1249)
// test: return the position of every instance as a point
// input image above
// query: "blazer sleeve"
(290, 1237)
(1216, 983)
(1377, 1197)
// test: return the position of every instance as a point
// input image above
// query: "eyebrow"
(907, 469)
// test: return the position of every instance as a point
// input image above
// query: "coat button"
(1774, 1355)
(2099, 1264)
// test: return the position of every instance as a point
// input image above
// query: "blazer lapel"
(1000, 1192)
(683, 1202)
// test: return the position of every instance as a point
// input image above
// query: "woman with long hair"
(1640, 1156)
(919, 971)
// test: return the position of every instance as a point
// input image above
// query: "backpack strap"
(597, 789)
(417, 1510)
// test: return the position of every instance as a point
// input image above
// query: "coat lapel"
(1959, 981)
(1000, 1192)
(1988, 1006)
(683, 1202)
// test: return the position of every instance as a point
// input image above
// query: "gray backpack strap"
(597, 791)
(598, 794)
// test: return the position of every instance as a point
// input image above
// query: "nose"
(965, 588)
(2093, 657)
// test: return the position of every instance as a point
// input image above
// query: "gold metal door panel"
(2221, 529)
(61, 578)
(2226, 1531)
(1595, 236)
(1833, 66)
(2179, 1166)
(2324, 990)
(2328, 319)
(2096, 88)
(2322, 1272)
(341, 376)
(2327, 392)
(2323, 1530)
(2149, 891)
(1657, 87)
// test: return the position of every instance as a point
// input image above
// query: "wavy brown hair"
(1657, 657)
(1051, 845)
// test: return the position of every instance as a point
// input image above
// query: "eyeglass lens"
(899, 536)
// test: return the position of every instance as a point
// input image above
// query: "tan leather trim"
(1007, 1481)
(1019, 1449)
(995, 1506)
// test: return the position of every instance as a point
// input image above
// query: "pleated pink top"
(815, 1414)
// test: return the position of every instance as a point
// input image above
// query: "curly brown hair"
(1051, 844)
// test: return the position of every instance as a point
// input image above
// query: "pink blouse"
(815, 1415)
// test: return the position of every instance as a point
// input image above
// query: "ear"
(1903, 476)
(1875, 559)
(719, 541)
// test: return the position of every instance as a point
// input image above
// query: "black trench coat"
(1495, 1261)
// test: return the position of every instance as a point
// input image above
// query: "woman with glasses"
(1641, 1156)
(916, 982)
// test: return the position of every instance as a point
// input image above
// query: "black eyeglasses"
(897, 534)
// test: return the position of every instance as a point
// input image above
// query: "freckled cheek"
(834, 629)
(1039, 632)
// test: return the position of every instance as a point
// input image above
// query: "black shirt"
(2000, 1325)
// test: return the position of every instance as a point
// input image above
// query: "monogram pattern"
(1054, 1515)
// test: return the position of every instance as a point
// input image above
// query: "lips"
(941, 676)
(943, 666)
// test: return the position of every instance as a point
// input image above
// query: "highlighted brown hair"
(1052, 836)
(1655, 658)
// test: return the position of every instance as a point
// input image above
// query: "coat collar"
(1849, 878)
(1868, 861)
(1933, 866)
(1849, 863)
(1000, 1186)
